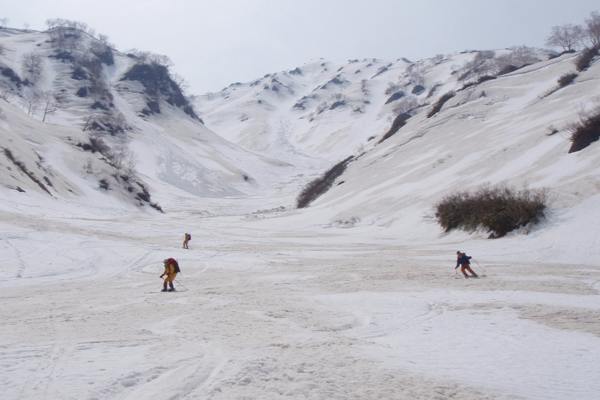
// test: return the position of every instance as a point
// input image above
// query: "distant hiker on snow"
(186, 238)
(462, 261)
(171, 270)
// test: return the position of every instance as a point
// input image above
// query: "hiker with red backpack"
(186, 238)
(463, 261)
(171, 270)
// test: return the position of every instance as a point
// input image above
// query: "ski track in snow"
(282, 314)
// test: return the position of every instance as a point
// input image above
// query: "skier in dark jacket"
(462, 261)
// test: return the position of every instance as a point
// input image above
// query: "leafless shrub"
(566, 79)
(518, 57)
(585, 131)
(102, 51)
(391, 88)
(499, 210)
(23, 168)
(112, 123)
(50, 103)
(32, 99)
(398, 123)
(57, 23)
(151, 58)
(592, 29)
(482, 64)
(320, 185)
(416, 76)
(32, 67)
(584, 60)
(406, 105)
(437, 107)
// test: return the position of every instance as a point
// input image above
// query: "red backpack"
(175, 264)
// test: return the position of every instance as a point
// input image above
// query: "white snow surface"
(354, 297)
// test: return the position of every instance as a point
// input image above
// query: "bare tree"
(53, 23)
(416, 75)
(104, 40)
(481, 64)
(592, 29)
(32, 99)
(568, 37)
(149, 57)
(50, 104)
(4, 22)
(406, 105)
(4, 95)
(519, 56)
(181, 82)
(32, 67)
(66, 33)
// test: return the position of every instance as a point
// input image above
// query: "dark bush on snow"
(584, 60)
(103, 184)
(79, 74)
(396, 96)
(63, 55)
(157, 83)
(398, 123)
(82, 92)
(95, 145)
(144, 196)
(562, 53)
(337, 104)
(481, 79)
(499, 210)
(320, 185)
(418, 89)
(437, 107)
(12, 75)
(508, 69)
(105, 55)
(585, 132)
(19, 164)
(566, 79)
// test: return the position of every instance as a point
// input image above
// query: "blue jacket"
(462, 260)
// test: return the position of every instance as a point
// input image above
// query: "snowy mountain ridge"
(82, 119)
(326, 109)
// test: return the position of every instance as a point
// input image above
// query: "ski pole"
(479, 266)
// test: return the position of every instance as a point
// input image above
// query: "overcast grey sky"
(217, 42)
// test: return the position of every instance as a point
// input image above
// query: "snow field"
(266, 310)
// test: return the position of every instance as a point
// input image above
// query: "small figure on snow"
(171, 270)
(186, 238)
(463, 261)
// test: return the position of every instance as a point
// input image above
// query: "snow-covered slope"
(326, 110)
(511, 131)
(92, 122)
